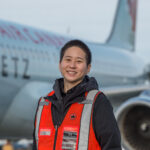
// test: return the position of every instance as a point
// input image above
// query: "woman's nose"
(72, 64)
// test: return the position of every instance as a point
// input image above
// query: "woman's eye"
(68, 59)
(79, 61)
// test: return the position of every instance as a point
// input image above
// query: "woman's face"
(73, 66)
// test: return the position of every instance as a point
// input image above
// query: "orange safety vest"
(76, 131)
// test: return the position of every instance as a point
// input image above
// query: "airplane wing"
(119, 94)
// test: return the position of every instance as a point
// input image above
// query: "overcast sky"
(86, 19)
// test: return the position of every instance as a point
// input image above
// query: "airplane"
(29, 60)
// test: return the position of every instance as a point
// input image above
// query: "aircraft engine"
(133, 118)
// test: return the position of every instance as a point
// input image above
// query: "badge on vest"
(70, 138)
(73, 116)
(45, 132)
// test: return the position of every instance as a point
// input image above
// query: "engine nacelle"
(133, 118)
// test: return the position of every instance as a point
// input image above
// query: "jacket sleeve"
(105, 125)
(34, 141)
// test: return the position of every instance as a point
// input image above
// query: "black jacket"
(104, 123)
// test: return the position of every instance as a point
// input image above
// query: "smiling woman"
(73, 66)
(72, 115)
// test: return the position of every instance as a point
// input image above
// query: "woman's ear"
(59, 66)
(89, 68)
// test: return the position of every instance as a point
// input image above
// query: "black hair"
(80, 44)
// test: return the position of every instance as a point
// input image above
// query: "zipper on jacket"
(56, 131)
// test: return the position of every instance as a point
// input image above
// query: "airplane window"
(13, 47)
(7, 46)
(1, 45)
(47, 55)
(44, 55)
(24, 52)
(32, 53)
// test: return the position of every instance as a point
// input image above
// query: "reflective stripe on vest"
(84, 124)
(85, 120)
(38, 117)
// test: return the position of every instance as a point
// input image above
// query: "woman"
(75, 115)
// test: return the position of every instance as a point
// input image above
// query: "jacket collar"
(73, 95)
